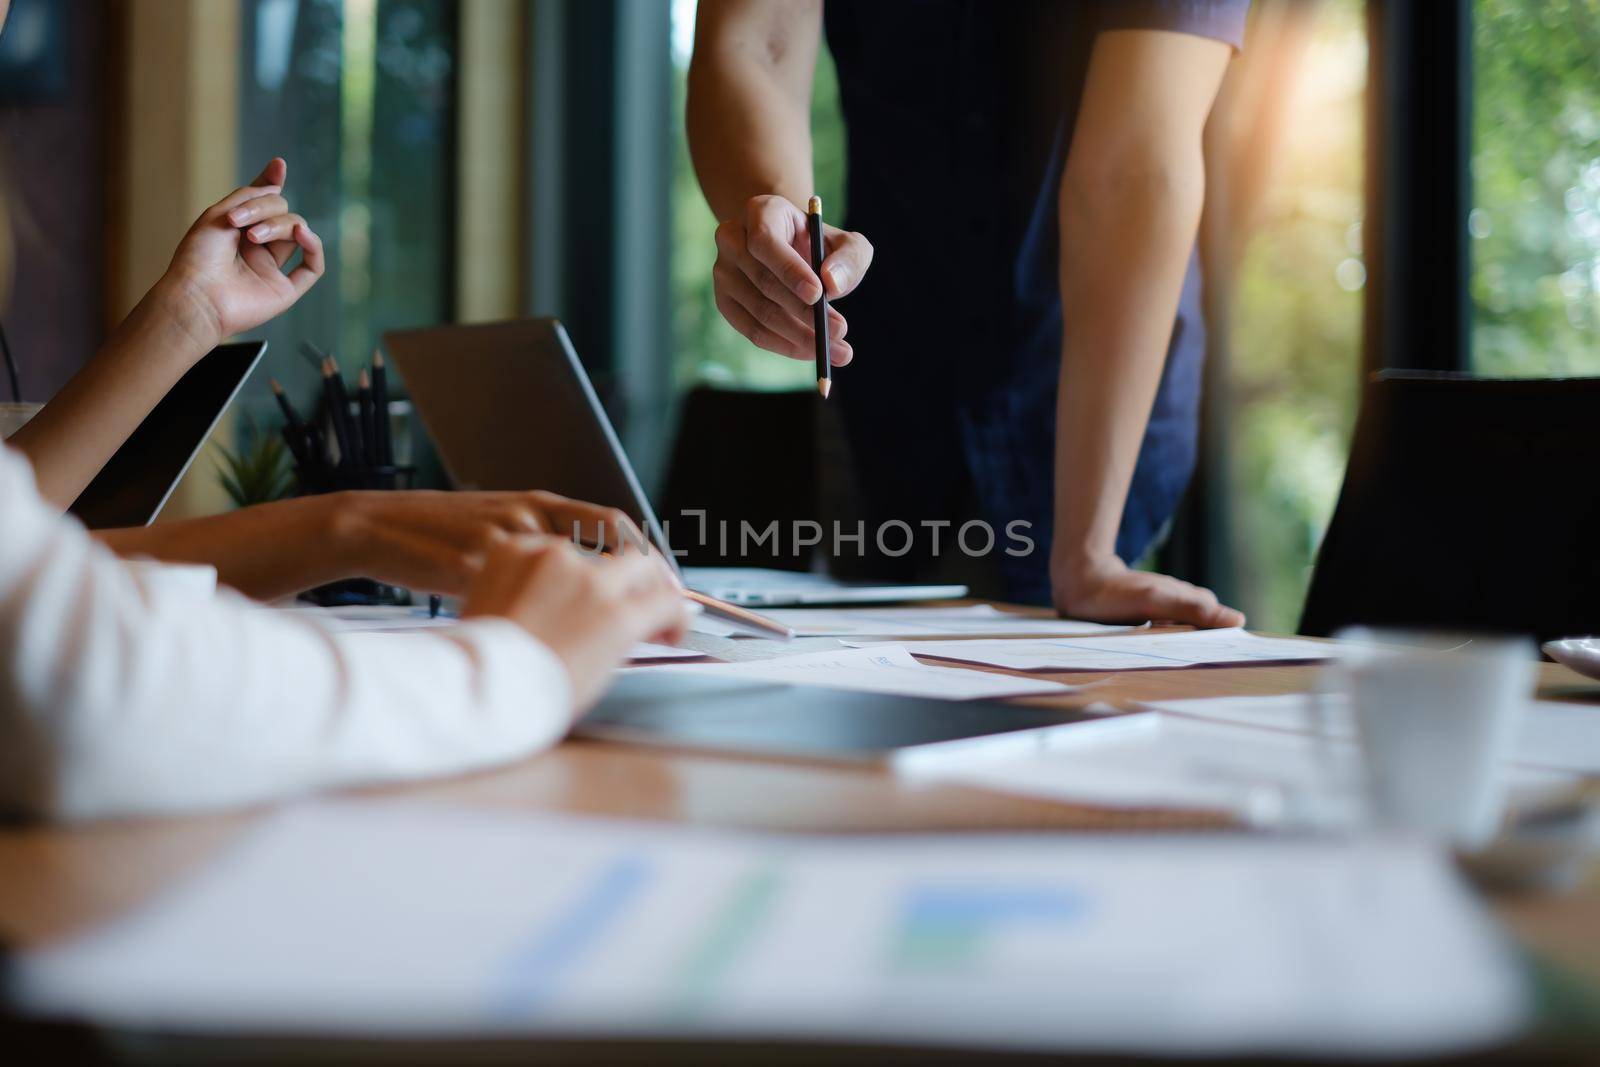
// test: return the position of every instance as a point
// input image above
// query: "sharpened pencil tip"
(276, 388)
(362, 381)
(377, 357)
(823, 386)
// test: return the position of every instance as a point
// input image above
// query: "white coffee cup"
(1435, 718)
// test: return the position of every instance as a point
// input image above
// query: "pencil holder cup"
(321, 466)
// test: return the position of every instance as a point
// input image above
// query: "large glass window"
(1293, 342)
(359, 97)
(1535, 220)
(706, 348)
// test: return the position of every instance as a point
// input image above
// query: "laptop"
(509, 406)
(136, 481)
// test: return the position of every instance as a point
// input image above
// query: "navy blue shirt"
(959, 114)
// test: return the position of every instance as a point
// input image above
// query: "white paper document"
(1132, 653)
(1554, 734)
(1270, 778)
(391, 919)
(376, 618)
(967, 621)
(882, 669)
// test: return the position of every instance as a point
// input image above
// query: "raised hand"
(227, 275)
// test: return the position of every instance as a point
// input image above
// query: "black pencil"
(294, 429)
(369, 443)
(380, 410)
(819, 310)
(338, 401)
(290, 416)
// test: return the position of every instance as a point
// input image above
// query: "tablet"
(134, 485)
(740, 716)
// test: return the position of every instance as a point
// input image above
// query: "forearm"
(122, 694)
(749, 102)
(88, 420)
(265, 552)
(1125, 244)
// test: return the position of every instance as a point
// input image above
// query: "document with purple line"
(884, 669)
(1143, 652)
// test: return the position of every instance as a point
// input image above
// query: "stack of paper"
(390, 920)
(877, 670)
(1555, 735)
(1140, 652)
(1269, 778)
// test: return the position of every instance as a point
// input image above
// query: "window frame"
(1418, 313)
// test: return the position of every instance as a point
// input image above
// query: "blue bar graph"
(536, 970)
(944, 928)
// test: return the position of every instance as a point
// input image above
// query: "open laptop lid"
(509, 406)
(134, 485)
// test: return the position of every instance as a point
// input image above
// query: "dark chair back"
(742, 457)
(1470, 504)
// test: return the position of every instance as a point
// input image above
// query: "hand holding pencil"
(767, 286)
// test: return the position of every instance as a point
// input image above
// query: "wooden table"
(55, 882)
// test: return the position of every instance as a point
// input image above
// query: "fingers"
(652, 605)
(758, 335)
(775, 320)
(256, 208)
(312, 264)
(277, 228)
(735, 260)
(664, 617)
(593, 524)
(1226, 616)
(849, 256)
(239, 196)
(1182, 602)
(772, 227)
(276, 172)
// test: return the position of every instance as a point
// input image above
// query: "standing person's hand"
(1108, 590)
(588, 610)
(765, 286)
(227, 275)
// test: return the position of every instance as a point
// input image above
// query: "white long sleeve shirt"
(123, 695)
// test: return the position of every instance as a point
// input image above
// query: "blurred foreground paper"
(385, 918)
